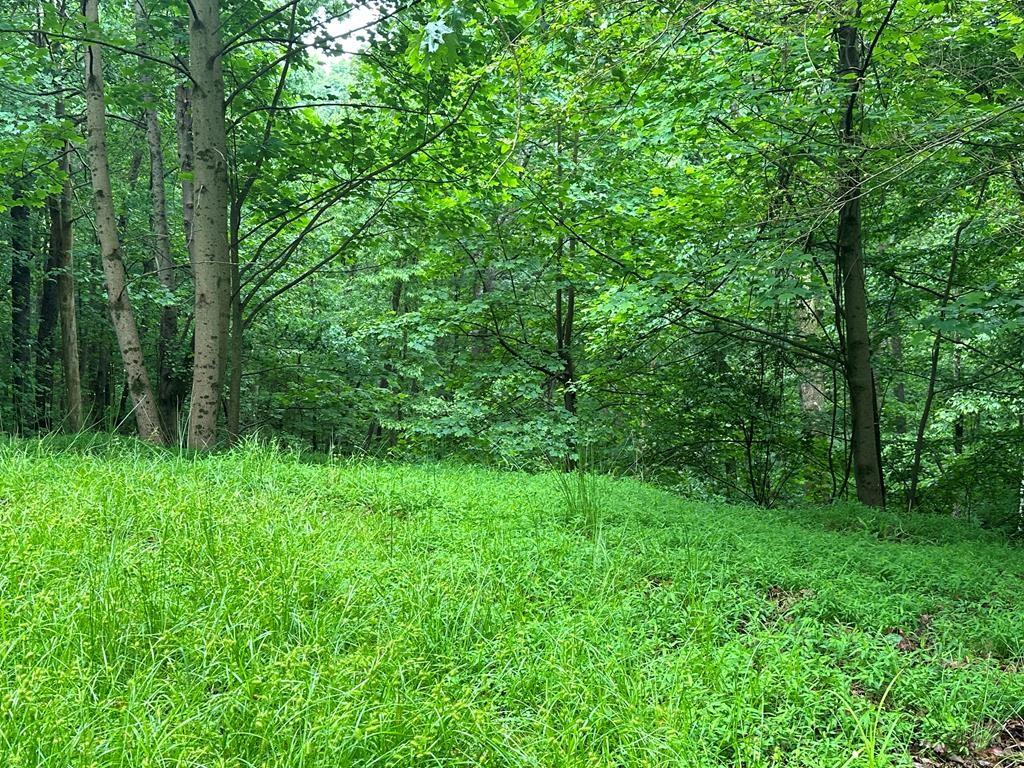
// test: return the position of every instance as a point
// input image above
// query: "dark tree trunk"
(565, 311)
(958, 424)
(867, 464)
(566, 314)
(186, 161)
(61, 237)
(21, 313)
(102, 384)
(46, 330)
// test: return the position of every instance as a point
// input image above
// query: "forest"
(496, 382)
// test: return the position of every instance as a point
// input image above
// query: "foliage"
(500, 230)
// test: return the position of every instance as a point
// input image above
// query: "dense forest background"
(765, 251)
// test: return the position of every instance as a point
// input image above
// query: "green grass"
(250, 609)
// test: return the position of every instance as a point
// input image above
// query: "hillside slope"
(252, 609)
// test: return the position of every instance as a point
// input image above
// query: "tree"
(211, 260)
(61, 240)
(171, 386)
(121, 311)
(21, 311)
(860, 380)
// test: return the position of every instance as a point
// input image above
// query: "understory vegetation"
(768, 252)
(256, 608)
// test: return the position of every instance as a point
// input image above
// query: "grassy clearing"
(253, 610)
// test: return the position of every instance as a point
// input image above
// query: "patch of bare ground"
(1005, 750)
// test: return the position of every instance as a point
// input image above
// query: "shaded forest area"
(760, 251)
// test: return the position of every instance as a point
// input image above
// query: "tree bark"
(958, 423)
(102, 389)
(186, 160)
(812, 384)
(170, 383)
(121, 311)
(865, 443)
(61, 239)
(21, 309)
(211, 259)
(565, 318)
(899, 388)
(565, 309)
(45, 332)
(234, 412)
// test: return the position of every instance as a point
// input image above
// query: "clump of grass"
(253, 609)
(581, 498)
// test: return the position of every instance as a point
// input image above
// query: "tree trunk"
(812, 384)
(211, 259)
(899, 388)
(867, 464)
(234, 412)
(565, 308)
(565, 319)
(958, 423)
(21, 311)
(186, 160)
(121, 312)
(170, 384)
(61, 238)
(915, 468)
(45, 332)
(102, 385)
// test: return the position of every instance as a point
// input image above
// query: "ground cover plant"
(254, 608)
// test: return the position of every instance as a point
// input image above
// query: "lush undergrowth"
(251, 609)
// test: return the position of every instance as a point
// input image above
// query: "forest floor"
(253, 609)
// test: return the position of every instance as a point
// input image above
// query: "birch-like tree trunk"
(211, 261)
(121, 312)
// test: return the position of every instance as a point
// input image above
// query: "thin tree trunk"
(812, 385)
(121, 312)
(45, 332)
(565, 309)
(958, 424)
(867, 468)
(170, 385)
(1020, 490)
(565, 314)
(211, 260)
(922, 425)
(61, 241)
(234, 411)
(103, 385)
(565, 347)
(186, 160)
(186, 166)
(899, 388)
(21, 311)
